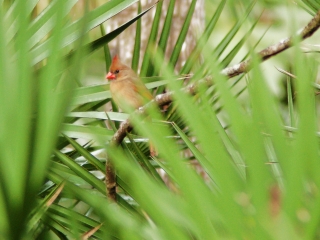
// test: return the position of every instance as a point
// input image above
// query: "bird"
(127, 89)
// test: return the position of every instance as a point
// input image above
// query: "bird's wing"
(142, 90)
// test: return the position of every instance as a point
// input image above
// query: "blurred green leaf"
(71, 32)
(96, 183)
(87, 132)
(137, 43)
(183, 33)
(146, 67)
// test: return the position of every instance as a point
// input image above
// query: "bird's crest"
(115, 59)
(116, 64)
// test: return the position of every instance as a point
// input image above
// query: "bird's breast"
(125, 95)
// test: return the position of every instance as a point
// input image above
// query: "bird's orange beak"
(111, 76)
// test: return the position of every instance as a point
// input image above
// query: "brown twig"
(111, 184)
(166, 98)
(275, 49)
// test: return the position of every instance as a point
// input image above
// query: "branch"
(275, 49)
(166, 98)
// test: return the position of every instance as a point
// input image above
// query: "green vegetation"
(238, 161)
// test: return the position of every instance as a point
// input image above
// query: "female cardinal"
(127, 89)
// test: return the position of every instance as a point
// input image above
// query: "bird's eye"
(116, 71)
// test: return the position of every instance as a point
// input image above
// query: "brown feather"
(127, 89)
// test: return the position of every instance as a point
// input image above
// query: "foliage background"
(240, 157)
